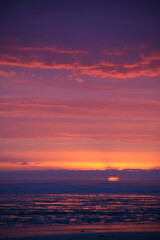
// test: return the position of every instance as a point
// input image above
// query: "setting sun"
(113, 179)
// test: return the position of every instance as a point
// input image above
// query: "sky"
(79, 85)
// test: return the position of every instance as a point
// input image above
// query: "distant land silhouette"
(47, 175)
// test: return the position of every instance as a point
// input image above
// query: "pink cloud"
(155, 56)
(106, 68)
(134, 65)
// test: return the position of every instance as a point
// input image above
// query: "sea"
(78, 203)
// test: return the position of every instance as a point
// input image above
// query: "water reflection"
(26, 209)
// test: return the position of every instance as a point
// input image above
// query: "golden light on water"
(113, 179)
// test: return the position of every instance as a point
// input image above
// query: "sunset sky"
(79, 84)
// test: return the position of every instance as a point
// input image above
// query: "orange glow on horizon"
(78, 160)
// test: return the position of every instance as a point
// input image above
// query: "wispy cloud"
(48, 49)
(7, 73)
(107, 52)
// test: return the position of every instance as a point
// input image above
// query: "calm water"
(78, 203)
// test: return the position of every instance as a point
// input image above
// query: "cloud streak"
(49, 49)
(100, 108)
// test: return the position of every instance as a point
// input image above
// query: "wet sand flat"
(95, 236)
(83, 232)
